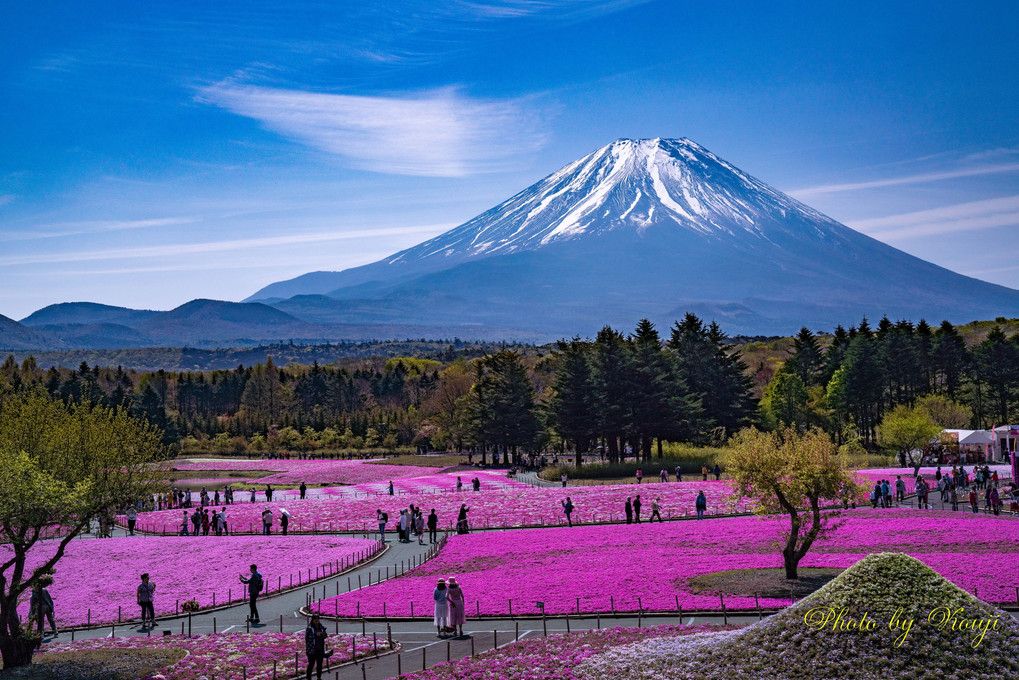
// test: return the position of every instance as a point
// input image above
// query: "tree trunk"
(790, 570)
(15, 647)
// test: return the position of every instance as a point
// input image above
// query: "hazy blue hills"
(86, 313)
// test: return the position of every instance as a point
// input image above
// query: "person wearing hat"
(457, 606)
(441, 596)
(315, 645)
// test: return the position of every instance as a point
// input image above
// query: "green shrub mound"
(953, 635)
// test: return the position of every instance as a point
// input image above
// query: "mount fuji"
(643, 228)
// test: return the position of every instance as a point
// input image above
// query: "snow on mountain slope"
(627, 184)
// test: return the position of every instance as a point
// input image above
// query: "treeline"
(866, 372)
(620, 391)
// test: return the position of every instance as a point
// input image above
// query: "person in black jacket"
(41, 607)
(315, 645)
(628, 508)
(433, 527)
(636, 508)
(255, 583)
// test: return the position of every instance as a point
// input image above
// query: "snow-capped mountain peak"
(628, 184)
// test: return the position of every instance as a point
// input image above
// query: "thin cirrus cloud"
(908, 179)
(961, 217)
(179, 249)
(440, 133)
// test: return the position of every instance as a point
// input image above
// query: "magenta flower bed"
(548, 658)
(96, 576)
(310, 471)
(514, 507)
(600, 569)
(231, 656)
(432, 483)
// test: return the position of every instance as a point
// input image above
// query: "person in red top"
(973, 501)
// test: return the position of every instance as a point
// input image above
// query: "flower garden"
(626, 568)
(515, 506)
(295, 471)
(86, 590)
(232, 656)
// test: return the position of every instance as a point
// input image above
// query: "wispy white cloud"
(438, 133)
(93, 227)
(907, 179)
(970, 216)
(180, 249)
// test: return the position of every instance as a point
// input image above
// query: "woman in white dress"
(441, 596)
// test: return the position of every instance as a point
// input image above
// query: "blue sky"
(158, 152)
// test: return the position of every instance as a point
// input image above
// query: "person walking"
(184, 525)
(679, 473)
(255, 584)
(568, 509)
(146, 600)
(284, 520)
(636, 509)
(953, 495)
(563, 478)
(266, 522)
(461, 520)
(640, 475)
(222, 521)
(628, 509)
(995, 501)
(383, 519)
(441, 597)
(973, 501)
(252, 494)
(40, 606)
(392, 489)
(704, 473)
(419, 527)
(457, 606)
(717, 472)
(433, 527)
(656, 510)
(196, 521)
(701, 504)
(315, 645)
(132, 517)
(900, 489)
(304, 490)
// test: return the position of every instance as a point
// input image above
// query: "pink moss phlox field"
(433, 483)
(547, 658)
(609, 567)
(102, 574)
(230, 656)
(293, 471)
(511, 507)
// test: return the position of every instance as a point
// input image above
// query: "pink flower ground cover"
(512, 507)
(231, 656)
(432, 483)
(547, 658)
(600, 569)
(309, 471)
(96, 576)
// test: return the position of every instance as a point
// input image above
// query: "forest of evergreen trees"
(636, 389)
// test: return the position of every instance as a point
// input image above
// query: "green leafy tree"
(791, 474)
(61, 467)
(611, 361)
(944, 412)
(907, 432)
(785, 402)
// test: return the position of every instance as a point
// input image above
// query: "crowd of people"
(951, 486)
